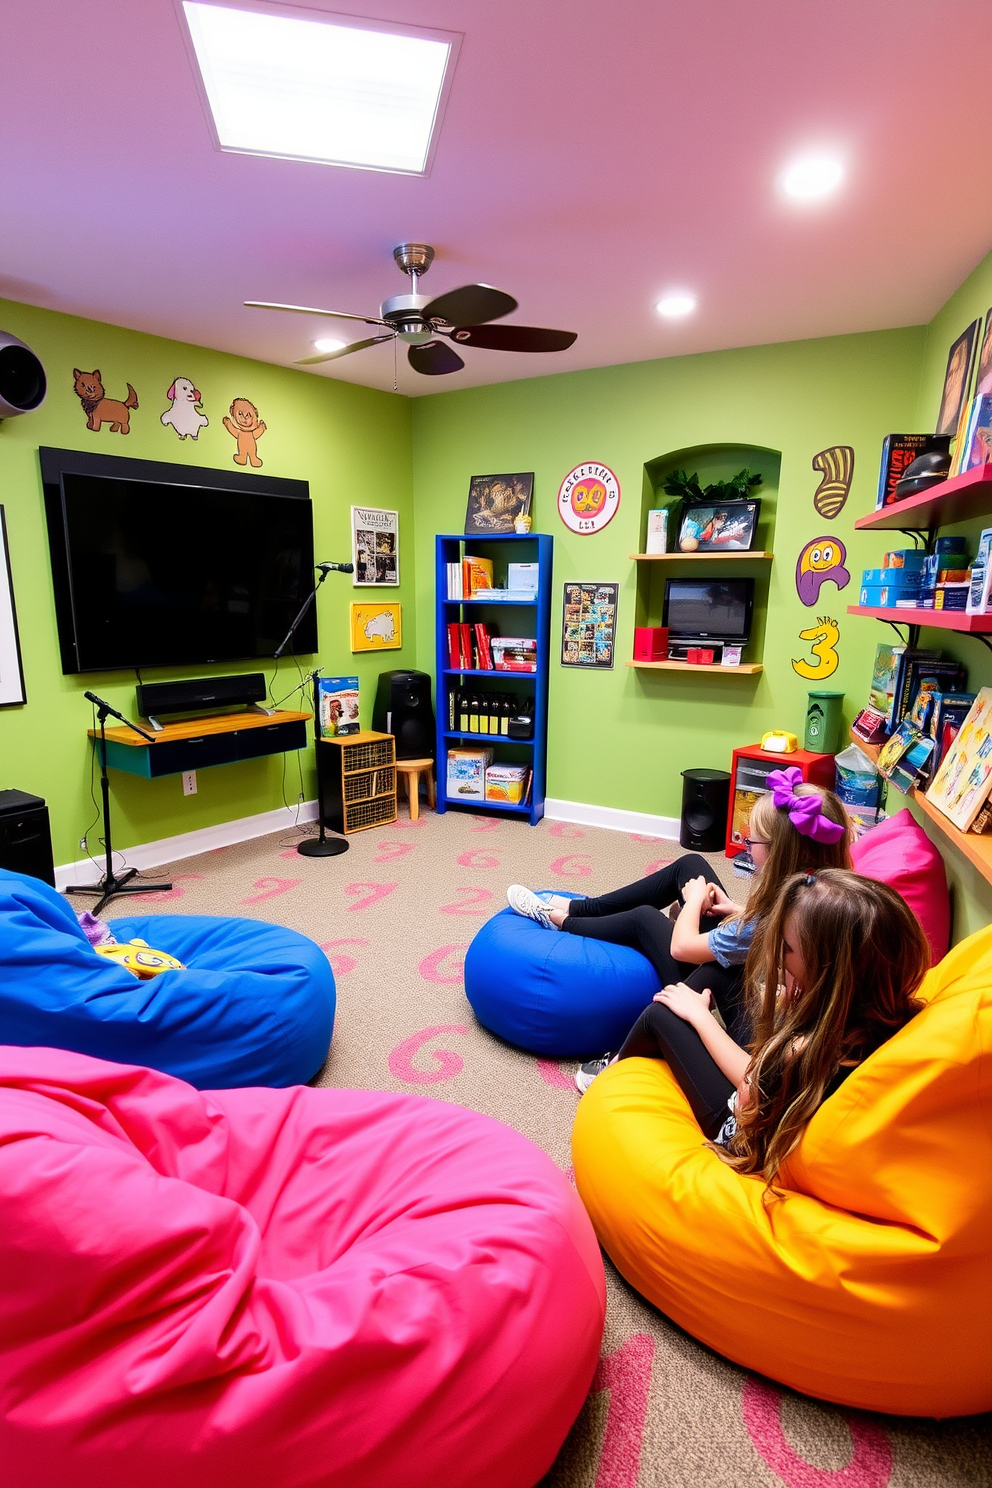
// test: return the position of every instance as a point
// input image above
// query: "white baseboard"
(613, 818)
(189, 844)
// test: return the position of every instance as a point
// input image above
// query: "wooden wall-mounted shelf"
(744, 554)
(745, 669)
(975, 846)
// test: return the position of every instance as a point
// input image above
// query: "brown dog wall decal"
(99, 409)
(836, 466)
(247, 428)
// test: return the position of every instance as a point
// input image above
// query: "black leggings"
(661, 1034)
(630, 916)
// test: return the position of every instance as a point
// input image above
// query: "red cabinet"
(750, 767)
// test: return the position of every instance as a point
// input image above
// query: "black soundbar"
(188, 696)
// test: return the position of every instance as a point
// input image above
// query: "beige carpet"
(395, 915)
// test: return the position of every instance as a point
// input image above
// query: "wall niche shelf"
(712, 463)
(975, 846)
(746, 668)
(751, 555)
(954, 500)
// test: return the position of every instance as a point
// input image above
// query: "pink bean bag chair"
(280, 1288)
(899, 853)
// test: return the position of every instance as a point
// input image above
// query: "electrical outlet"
(189, 782)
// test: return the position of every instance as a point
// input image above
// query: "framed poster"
(718, 527)
(376, 626)
(11, 674)
(495, 501)
(589, 625)
(375, 546)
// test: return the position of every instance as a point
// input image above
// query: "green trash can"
(823, 721)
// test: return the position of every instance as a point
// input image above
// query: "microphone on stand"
(326, 568)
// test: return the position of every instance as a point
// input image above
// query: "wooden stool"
(411, 771)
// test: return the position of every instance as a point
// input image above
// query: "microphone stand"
(320, 846)
(110, 885)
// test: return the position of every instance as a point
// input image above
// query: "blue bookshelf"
(530, 617)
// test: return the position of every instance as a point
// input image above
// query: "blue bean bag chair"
(555, 994)
(254, 1006)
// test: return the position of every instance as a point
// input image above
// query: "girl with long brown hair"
(833, 973)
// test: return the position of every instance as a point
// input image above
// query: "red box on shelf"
(700, 656)
(816, 769)
(651, 643)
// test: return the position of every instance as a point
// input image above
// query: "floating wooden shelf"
(954, 500)
(745, 554)
(745, 669)
(976, 846)
(198, 728)
(938, 619)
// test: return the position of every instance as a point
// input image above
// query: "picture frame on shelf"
(957, 379)
(496, 501)
(12, 691)
(718, 526)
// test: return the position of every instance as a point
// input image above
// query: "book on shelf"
(454, 572)
(904, 756)
(477, 573)
(949, 712)
(973, 444)
(881, 693)
(484, 655)
(963, 781)
(514, 654)
(898, 452)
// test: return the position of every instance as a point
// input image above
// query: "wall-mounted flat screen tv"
(713, 609)
(165, 565)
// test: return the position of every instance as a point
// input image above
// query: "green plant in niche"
(681, 483)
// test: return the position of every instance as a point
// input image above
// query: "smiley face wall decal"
(820, 562)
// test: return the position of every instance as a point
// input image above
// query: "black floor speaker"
(403, 707)
(25, 836)
(705, 798)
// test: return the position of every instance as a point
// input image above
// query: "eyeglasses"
(755, 842)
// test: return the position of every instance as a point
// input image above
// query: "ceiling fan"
(461, 315)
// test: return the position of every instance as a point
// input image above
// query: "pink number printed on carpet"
(564, 829)
(572, 865)
(626, 1373)
(470, 905)
(477, 859)
(270, 887)
(175, 892)
(432, 966)
(388, 851)
(447, 1063)
(371, 892)
(552, 1074)
(871, 1460)
(341, 965)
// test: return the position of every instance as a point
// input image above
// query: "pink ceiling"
(592, 156)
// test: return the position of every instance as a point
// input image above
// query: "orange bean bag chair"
(868, 1283)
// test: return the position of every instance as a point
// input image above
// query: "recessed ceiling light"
(812, 177)
(675, 305)
(328, 343)
(306, 86)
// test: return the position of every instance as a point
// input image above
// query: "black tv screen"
(713, 609)
(161, 565)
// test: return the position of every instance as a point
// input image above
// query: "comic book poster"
(375, 546)
(589, 624)
(964, 779)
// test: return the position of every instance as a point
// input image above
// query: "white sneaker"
(525, 902)
(586, 1073)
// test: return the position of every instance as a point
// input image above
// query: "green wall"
(353, 446)
(620, 738)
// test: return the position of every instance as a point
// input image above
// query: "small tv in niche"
(711, 609)
(169, 565)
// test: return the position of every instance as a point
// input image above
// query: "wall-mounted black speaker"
(23, 384)
(25, 836)
(403, 707)
(705, 797)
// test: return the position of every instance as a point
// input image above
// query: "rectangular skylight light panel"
(333, 89)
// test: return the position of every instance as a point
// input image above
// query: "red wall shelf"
(954, 500)
(938, 619)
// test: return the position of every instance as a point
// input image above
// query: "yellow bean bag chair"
(870, 1282)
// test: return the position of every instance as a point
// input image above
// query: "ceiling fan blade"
(513, 337)
(433, 359)
(471, 304)
(312, 310)
(330, 356)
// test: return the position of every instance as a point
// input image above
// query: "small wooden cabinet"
(357, 781)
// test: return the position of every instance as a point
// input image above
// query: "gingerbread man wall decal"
(247, 428)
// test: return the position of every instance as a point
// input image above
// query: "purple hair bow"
(805, 812)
